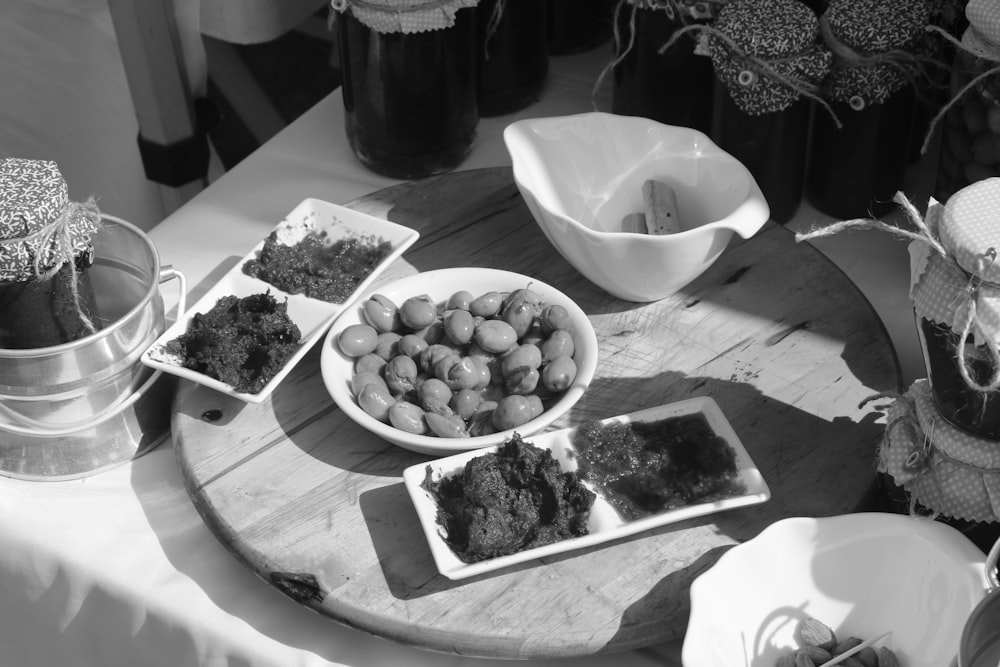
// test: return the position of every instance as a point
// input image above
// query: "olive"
(357, 340)
(360, 380)
(433, 354)
(433, 392)
(522, 381)
(417, 312)
(522, 356)
(537, 407)
(559, 374)
(445, 426)
(376, 400)
(408, 417)
(432, 333)
(465, 374)
(554, 317)
(526, 296)
(459, 326)
(460, 300)
(495, 336)
(520, 316)
(369, 362)
(387, 345)
(486, 305)
(381, 313)
(401, 374)
(412, 345)
(559, 344)
(511, 412)
(464, 402)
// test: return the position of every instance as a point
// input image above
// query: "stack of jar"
(942, 442)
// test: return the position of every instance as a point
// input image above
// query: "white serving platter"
(605, 523)
(312, 316)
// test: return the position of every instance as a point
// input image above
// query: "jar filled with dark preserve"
(675, 85)
(970, 130)
(513, 55)
(768, 62)
(49, 302)
(578, 25)
(409, 83)
(956, 300)
(860, 152)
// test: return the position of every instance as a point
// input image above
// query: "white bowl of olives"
(458, 359)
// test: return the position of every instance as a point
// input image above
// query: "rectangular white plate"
(605, 523)
(312, 316)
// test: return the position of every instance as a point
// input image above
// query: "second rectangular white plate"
(605, 523)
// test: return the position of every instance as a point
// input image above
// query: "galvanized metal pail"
(77, 408)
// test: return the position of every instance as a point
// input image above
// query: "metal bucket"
(81, 407)
(980, 645)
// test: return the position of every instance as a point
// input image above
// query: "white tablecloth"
(119, 569)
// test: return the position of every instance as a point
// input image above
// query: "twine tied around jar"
(57, 237)
(965, 303)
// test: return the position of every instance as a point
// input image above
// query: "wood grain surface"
(315, 505)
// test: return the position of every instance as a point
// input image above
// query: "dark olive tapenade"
(508, 501)
(243, 342)
(642, 468)
(328, 273)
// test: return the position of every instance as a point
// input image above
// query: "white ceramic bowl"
(581, 174)
(337, 368)
(861, 574)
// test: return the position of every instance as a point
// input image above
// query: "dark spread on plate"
(642, 468)
(510, 500)
(243, 342)
(328, 273)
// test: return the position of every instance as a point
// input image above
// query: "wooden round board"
(315, 505)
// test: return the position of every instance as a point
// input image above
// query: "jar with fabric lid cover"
(860, 153)
(970, 128)
(956, 300)
(46, 298)
(513, 55)
(661, 69)
(409, 83)
(769, 62)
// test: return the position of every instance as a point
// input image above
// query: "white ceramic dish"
(605, 523)
(861, 574)
(312, 316)
(581, 174)
(337, 368)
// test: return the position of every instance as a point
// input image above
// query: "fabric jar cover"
(404, 16)
(766, 52)
(37, 220)
(874, 43)
(943, 468)
(944, 288)
(982, 37)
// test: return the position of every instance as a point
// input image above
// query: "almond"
(816, 633)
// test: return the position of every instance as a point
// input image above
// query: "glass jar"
(578, 25)
(970, 131)
(762, 112)
(513, 55)
(960, 350)
(409, 84)
(860, 153)
(676, 86)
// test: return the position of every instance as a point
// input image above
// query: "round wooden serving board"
(315, 505)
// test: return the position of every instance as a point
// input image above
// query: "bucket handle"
(32, 427)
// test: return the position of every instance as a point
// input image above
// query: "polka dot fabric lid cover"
(982, 37)
(968, 226)
(945, 470)
(763, 49)
(858, 31)
(405, 16)
(33, 195)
